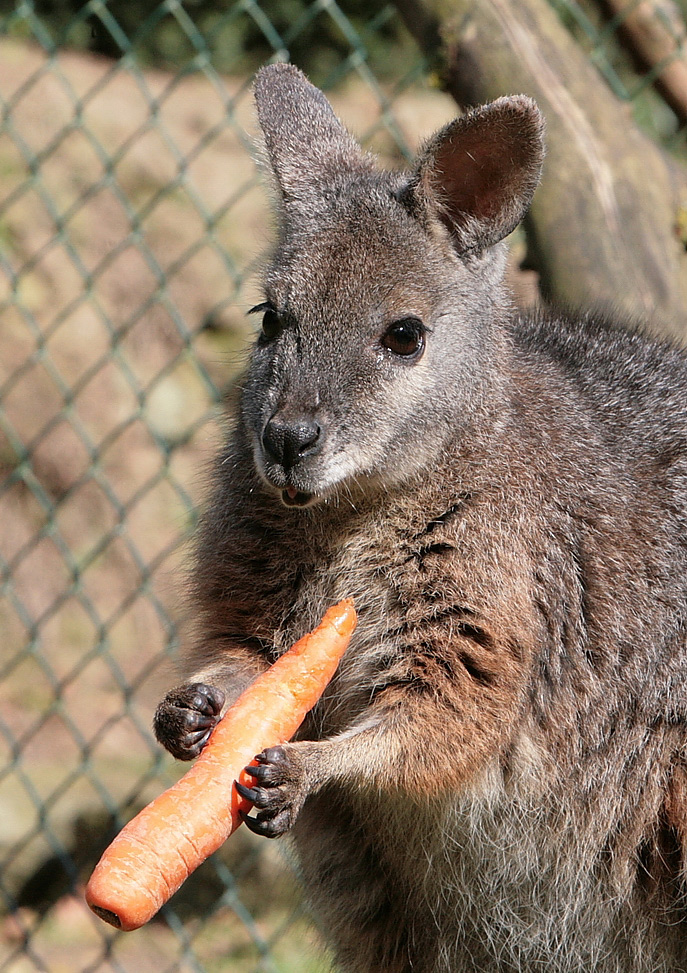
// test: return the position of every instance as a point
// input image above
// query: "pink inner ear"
(479, 177)
(485, 171)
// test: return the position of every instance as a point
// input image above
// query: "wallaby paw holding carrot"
(279, 791)
(156, 851)
(186, 717)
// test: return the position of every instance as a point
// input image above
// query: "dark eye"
(271, 325)
(405, 338)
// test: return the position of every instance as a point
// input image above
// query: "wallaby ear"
(479, 173)
(306, 143)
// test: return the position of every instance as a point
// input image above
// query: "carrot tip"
(107, 916)
(344, 617)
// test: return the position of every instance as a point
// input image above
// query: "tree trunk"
(654, 33)
(606, 228)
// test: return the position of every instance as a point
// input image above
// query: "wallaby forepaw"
(186, 717)
(278, 793)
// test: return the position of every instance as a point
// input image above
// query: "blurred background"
(132, 219)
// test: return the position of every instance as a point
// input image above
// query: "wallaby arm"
(464, 688)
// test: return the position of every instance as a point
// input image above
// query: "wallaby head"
(384, 294)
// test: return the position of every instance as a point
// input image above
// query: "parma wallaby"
(496, 779)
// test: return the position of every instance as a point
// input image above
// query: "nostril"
(306, 436)
(287, 441)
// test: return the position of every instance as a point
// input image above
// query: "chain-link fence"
(640, 50)
(131, 218)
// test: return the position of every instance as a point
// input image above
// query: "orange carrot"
(157, 851)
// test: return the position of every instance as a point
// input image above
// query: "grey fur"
(496, 779)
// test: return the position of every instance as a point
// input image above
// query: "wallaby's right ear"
(479, 173)
(306, 143)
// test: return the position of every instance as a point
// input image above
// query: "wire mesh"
(636, 44)
(131, 220)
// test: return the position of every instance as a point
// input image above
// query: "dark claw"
(271, 768)
(209, 702)
(199, 738)
(189, 749)
(199, 697)
(272, 755)
(260, 797)
(254, 825)
(250, 793)
(198, 721)
(262, 773)
(267, 827)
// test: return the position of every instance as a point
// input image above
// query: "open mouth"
(295, 498)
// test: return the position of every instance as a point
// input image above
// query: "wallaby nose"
(289, 440)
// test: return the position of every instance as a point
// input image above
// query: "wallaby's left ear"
(479, 173)
(307, 145)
